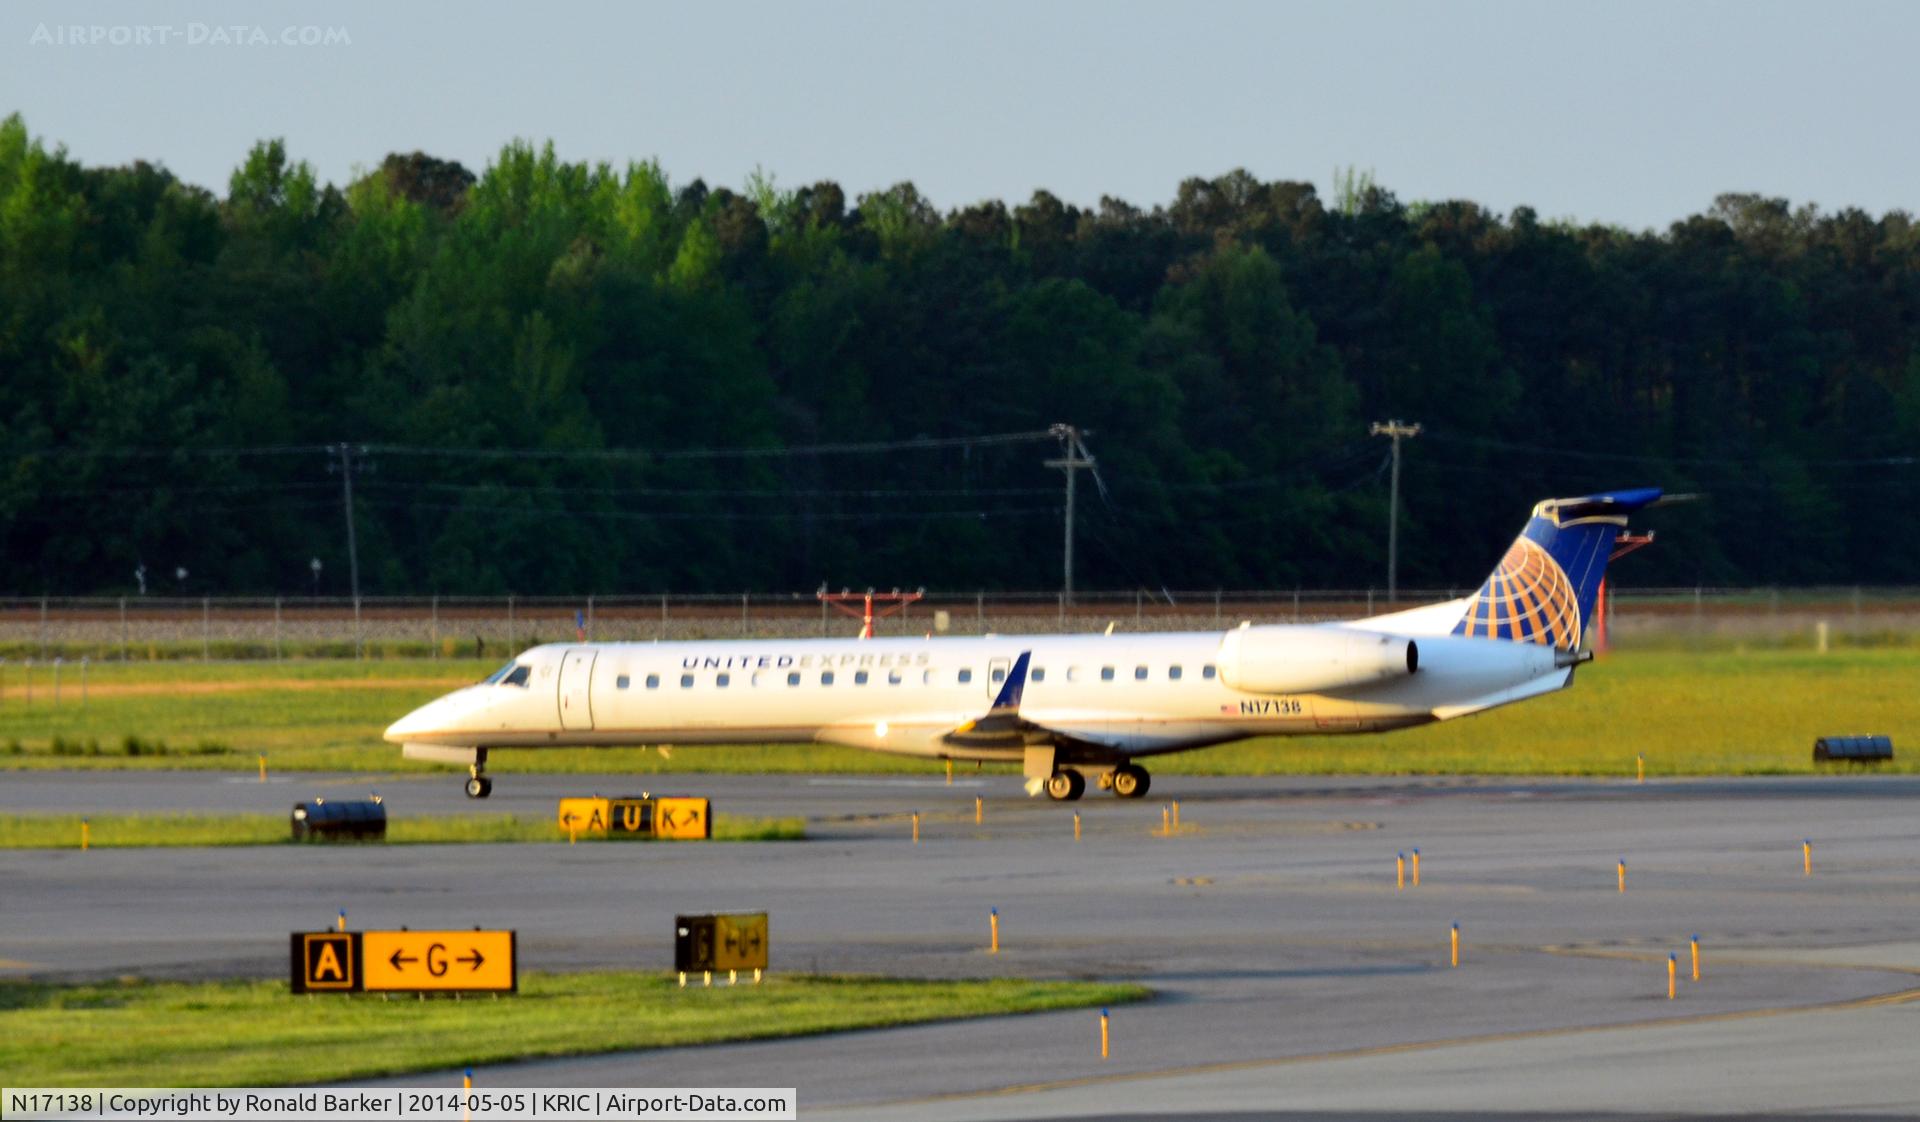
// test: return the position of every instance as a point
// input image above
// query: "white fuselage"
(1118, 695)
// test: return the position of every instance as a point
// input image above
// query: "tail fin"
(1544, 589)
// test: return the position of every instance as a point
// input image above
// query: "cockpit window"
(518, 677)
(493, 679)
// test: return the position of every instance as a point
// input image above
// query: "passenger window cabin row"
(723, 679)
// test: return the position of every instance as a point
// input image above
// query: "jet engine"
(1285, 659)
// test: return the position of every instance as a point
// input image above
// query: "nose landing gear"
(479, 786)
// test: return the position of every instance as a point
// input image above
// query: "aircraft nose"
(440, 717)
(400, 730)
(412, 726)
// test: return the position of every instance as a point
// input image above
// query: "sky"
(1627, 113)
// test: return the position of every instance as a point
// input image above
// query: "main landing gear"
(1128, 781)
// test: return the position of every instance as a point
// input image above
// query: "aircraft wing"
(1002, 726)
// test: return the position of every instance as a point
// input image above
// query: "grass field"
(139, 1033)
(62, 831)
(1690, 713)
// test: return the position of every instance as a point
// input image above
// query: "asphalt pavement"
(1291, 977)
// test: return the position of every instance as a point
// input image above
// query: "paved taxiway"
(1290, 974)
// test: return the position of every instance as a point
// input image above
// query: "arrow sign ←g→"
(472, 961)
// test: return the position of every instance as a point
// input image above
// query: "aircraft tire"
(479, 787)
(1066, 786)
(1131, 781)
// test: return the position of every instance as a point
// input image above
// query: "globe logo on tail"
(1528, 599)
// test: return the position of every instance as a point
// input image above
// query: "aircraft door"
(997, 671)
(576, 680)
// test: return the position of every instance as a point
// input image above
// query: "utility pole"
(1394, 430)
(353, 548)
(1077, 457)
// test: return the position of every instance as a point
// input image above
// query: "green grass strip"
(62, 831)
(137, 1033)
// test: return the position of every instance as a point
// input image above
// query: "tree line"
(557, 377)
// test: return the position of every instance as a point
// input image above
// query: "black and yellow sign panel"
(583, 816)
(604, 817)
(384, 961)
(673, 818)
(326, 962)
(682, 819)
(740, 942)
(630, 816)
(439, 960)
(720, 942)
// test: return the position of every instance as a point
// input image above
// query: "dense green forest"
(562, 378)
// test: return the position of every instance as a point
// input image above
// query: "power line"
(842, 448)
(1623, 457)
(160, 489)
(912, 444)
(715, 492)
(718, 516)
(839, 448)
(136, 452)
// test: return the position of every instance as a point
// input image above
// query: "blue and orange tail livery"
(1544, 589)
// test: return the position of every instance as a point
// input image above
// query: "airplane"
(1070, 709)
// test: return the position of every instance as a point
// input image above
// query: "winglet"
(1013, 687)
(1001, 725)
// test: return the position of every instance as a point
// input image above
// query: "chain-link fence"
(152, 628)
